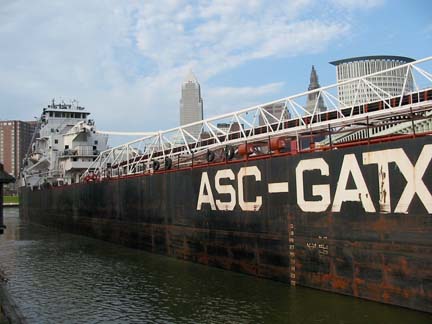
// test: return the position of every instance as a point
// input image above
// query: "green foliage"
(11, 199)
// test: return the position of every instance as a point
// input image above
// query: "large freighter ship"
(338, 200)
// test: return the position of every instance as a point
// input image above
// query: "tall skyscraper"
(15, 138)
(191, 103)
(312, 97)
(391, 82)
(277, 110)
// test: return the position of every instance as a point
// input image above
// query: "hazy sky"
(125, 60)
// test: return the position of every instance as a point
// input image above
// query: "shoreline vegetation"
(10, 199)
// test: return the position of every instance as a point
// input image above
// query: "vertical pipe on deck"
(412, 123)
(127, 160)
(269, 146)
(367, 125)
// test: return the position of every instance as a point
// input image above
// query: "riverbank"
(10, 201)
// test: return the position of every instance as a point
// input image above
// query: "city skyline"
(124, 62)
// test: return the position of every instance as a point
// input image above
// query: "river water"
(56, 277)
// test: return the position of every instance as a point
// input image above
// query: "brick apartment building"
(15, 138)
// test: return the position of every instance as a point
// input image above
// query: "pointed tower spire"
(190, 77)
(312, 97)
(313, 80)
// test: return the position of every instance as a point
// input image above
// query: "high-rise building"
(312, 98)
(277, 110)
(230, 128)
(191, 104)
(391, 82)
(15, 139)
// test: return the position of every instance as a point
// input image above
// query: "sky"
(125, 60)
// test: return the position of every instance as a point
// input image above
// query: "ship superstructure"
(65, 144)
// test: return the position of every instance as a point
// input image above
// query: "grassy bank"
(11, 199)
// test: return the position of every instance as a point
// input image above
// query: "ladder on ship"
(253, 132)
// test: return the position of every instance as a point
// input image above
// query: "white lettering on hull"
(205, 195)
(412, 174)
(382, 159)
(321, 198)
(251, 171)
(361, 193)
(278, 187)
(414, 177)
(322, 191)
(225, 189)
(205, 198)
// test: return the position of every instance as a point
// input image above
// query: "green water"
(56, 277)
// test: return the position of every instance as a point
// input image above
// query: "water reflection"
(57, 277)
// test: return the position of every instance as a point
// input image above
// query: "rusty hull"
(385, 257)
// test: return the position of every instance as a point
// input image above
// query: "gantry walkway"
(255, 131)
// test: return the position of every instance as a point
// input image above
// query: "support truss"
(287, 117)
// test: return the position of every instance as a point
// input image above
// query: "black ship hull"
(356, 221)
